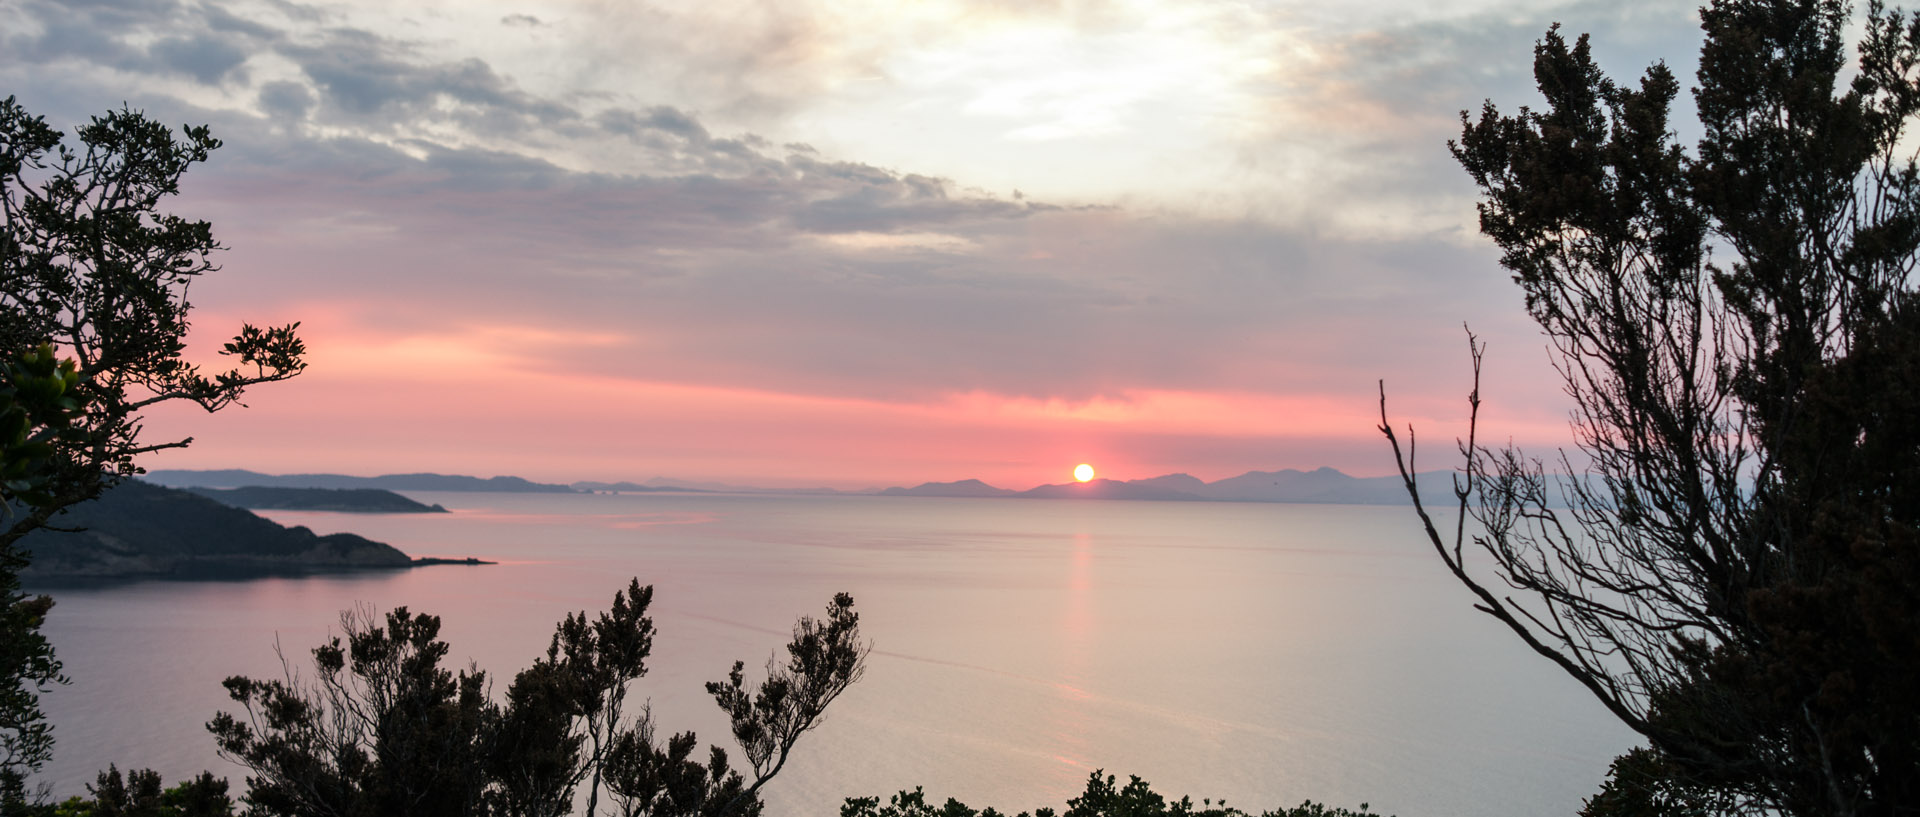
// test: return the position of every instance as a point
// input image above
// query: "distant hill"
(963, 488)
(1319, 485)
(139, 530)
(1178, 483)
(1322, 485)
(237, 478)
(348, 500)
(1108, 489)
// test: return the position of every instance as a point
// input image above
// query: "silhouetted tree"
(90, 265)
(824, 658)
(1737, 575)
(140, 794)
(1102, 798)
(37, 407)
(535, 757)
(93, 272)
(565, 713)
(39, 403)
(383, 729)
(645, 779)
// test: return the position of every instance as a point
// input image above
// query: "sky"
(839, 243)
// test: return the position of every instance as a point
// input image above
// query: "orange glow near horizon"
(497, 399)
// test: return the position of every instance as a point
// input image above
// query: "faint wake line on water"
(1197, 722)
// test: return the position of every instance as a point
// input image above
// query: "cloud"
(401, 186)
(205, 57)
(51, 37)
(715, 283)
(286, 101)
(659, 118)
(862, 198)
(1355, 130)
(426, 180)
(380, 81)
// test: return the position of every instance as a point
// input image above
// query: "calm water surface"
(1257, 652)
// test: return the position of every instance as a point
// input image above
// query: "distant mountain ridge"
(239, 478)
(1321, 485)
(963, 488)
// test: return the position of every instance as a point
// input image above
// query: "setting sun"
(1083, 472)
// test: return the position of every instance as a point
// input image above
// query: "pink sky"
(485, 401)
(845, 246)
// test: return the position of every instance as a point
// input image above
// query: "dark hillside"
(136, 529)
(348, 500)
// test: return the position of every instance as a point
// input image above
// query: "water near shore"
(1261, 653)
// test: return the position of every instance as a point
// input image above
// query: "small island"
(343, 500)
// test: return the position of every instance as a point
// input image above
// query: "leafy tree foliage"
(37, 407)
(1738, 577)
(93, 312)
(823, 659)
(90, 265)
(139, 794)
(385, 729)
(645, 778)
(1101, 799)
(27, 668)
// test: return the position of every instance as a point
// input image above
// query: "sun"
(1083, 472)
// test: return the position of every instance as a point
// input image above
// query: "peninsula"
(140, 530)
(239, 478)
(345, 500)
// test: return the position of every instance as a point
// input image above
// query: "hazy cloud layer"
(401, 176)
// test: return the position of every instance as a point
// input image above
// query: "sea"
(1261, 654)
